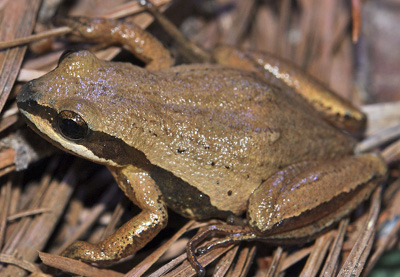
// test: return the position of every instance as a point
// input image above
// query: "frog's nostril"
(26, 93)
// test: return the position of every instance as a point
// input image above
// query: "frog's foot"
(231, 234)
(94, 29)
(138, 231)
(89, 253)
(124, 33)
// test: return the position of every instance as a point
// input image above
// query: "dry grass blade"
(28, 39)
(18, 19)
(7, 157)
(5, 199)
(240, 21)
(381, 116)
(358, 255)
(273, 269)
(9, 247)
(389, 196)
(8, 121)
(382, 137)
(392, 152)
(225, 262)
(116, 216)
(382, 246)
(76, 267)
(244, 261)
(34, 233)
(390, 214)
(317, 255)
(10, 259)
(333, 257)
(146, 263)
(28, 213)
(132, 7)
(169, 266)
(92, 216)
(295, 257)
(356, 13)
(185, 269)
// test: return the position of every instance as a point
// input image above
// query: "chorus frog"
(210, 140)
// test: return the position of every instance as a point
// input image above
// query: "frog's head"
(64, 107)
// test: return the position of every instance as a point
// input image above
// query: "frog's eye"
(72, 126)
(65, 54)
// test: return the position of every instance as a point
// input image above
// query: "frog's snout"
(27, 97)
(26, 94)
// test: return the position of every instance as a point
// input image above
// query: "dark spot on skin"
(180, 150)
(152, 133)
(227, 167)
(217, 182)
(248, 176)
(212, 163)
(229, 192)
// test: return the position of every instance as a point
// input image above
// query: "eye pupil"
(72, 126)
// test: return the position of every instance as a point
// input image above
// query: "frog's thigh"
(317, 193)
(137, 232)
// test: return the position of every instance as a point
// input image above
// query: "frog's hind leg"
(297, 203)
(303, 200)
(336, 110)
(230, 234)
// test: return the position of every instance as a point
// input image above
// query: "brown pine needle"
(25, 40)
(10, 259)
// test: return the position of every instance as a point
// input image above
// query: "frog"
(240, 133)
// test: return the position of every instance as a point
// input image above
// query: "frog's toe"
(85, 252)
(76, 250)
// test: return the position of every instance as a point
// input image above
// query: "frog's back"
(223, 131)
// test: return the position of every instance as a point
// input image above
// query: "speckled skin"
(199, 139)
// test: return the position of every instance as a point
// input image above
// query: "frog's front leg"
(137, 232)
(125, 33)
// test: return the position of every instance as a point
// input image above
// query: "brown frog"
(211, 140)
